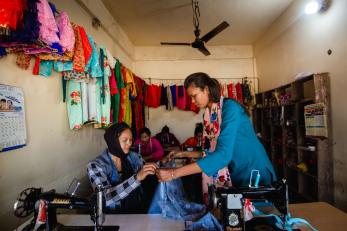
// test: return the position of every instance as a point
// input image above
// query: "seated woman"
(149, 147)
(167, 139)
(194, 143)
(120, 171)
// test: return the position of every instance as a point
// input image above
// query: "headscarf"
(112, 140)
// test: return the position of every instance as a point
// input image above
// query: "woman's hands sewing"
(166, 174)
(147, 169)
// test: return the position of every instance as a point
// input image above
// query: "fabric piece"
(239, 96)
(113, 83)
(78, 58)
(23, 61)
(93, 64)
(181, 100)
(60, 66)
(45, 68)
(173, 95)
(11, 14)
(169, 106)
(207, 223)
(74, 105)
(84, 93)
(170, 201)
(92, 98)
(48, 26)
(36, 66)
(67, 36)
(87, 48)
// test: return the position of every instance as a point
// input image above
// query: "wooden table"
(321, 215)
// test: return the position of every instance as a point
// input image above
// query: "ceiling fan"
(199, 42)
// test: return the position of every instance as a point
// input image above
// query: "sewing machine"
(230, 202)
(31, 198)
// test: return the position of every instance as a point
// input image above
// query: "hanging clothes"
(169, 99)
(105, 101)
(115, 98)
(181, 99)
(239, 96)
(48, 26)
(92, 99)
(11, 15)
(78, 58)
(173, 95)
(94, 64)
(74, 104)
(137, 105)
(67, 36)
(87, 47)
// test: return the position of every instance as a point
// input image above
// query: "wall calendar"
(12, 118)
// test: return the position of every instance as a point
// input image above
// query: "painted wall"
(178, 63)
(54, 155)
(298, 43)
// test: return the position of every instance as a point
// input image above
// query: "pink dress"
(153, 147)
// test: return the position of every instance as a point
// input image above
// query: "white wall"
(297, 43)
(54, 155)
(178, 63)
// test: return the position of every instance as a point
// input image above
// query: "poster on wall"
(12, 118)
(316, 120)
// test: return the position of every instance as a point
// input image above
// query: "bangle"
(173, 173)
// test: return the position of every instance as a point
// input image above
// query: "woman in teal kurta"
(237, 146)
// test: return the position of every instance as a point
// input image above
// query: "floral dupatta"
(212, 120)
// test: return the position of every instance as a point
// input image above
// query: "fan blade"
(174, 44)
(215, 31)
(203, 49)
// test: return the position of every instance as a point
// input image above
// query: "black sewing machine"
(29, 201)
(229, 203)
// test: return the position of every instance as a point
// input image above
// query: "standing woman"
(237, 146)
(120, 172)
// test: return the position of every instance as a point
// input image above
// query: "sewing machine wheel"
(25, 203)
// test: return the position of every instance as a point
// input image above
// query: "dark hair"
(145, 130)
(165, 129)
(202, 80)
(199, 128)
(3, 100)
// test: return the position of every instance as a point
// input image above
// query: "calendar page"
(12, 118)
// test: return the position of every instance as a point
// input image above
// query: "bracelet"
(173, 173)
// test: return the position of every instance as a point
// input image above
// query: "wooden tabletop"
(321, 215)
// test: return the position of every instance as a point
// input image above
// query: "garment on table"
(74, 104)
(212, 120)
(102, 171)
(152, 148)
(194, 142)
(170, 201)
(48, 26)
(239, 148)
(66, 33)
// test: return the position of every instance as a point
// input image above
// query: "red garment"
(87, 48)
(113, 83)
(36, 66)
(194, 108)
(230, 91)
(11, 13)
(152, 96)
(138, 106)
(239, 97)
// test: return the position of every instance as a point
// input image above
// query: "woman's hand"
(165, 174)
(175, 154)
(147, 169)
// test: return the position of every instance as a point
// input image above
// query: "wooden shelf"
(311, 89)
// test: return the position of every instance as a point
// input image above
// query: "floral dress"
(212, 120)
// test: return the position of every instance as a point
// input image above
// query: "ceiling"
(148, 22)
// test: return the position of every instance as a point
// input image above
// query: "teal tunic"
(239, 148)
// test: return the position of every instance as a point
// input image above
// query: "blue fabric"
(170, 200)
(173, 93)
(207, 223)
(239, 148)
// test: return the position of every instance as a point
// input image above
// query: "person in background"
(237, 146)
(120, 172)
(3, 105)
(196, 141)
(167, 139)
(149, 147)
